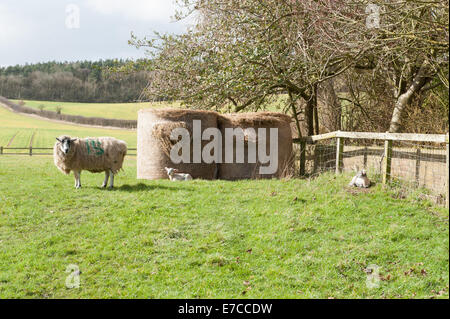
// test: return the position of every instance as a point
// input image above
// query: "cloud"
(12, 27)
(36, 31)
(146, 10)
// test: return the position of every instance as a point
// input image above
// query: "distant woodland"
(82, 81)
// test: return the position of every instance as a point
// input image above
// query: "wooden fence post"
(418, 154)
(387, 161)
(31, 150)
(447, 173)
(302, 157)
(1, 150)
(339, 153)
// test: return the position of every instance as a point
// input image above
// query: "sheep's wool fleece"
(94, 154)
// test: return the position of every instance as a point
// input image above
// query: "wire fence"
(408, 162)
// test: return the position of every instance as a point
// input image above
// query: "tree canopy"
(82, 81)
(241, 55)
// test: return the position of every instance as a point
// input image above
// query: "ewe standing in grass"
(99, 154)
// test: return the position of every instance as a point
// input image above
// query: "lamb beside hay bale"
(94, 154)
(174, 175)
(154, 144)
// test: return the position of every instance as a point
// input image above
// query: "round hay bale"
(154, 144)
(266, 120)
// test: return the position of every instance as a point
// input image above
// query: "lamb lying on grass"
(174, 176)
(360, 180)
(94, 154)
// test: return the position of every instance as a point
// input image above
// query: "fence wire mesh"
(415, 166)
(420, 166)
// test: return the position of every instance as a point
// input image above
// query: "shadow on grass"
(144, 187)
(361, 190)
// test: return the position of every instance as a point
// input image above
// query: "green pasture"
(125, 111)
(18, 129)
(207, 239)
(214, 239)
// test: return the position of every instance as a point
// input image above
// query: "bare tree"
(244, 54)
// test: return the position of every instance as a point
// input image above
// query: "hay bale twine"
(266, 120)
(154, 144)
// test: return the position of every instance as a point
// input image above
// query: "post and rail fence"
(387, 153)
(340, 137)
(33, 151)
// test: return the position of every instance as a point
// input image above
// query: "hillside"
(16, 130)
(124, 111)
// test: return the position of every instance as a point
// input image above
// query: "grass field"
(125, 111)
(213, 239)
(18, 129)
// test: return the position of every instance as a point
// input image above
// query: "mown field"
(205, 239)
(214, 239)
(125, 111)
(17, 131)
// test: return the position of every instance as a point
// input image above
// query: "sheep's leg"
(111, 179)
(77, 175)
(105, 182)
(79, 179)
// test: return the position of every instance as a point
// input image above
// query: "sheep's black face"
(65, 144)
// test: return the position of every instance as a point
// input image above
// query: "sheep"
(94, 154)
(174, 176)
(360, 180)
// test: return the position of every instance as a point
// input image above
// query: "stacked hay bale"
(248, 121)
(154, 144)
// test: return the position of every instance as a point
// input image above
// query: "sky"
(59, 30)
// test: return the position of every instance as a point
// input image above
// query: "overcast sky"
(46, 30)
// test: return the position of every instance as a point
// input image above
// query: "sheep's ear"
(58, 140)
(72, 140)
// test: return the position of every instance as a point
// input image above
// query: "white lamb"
(174, 176)
(94, 154)
(360, 180)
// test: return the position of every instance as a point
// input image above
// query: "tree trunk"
(310, 112)
(294, 114)
(316, 112)
(333, 105)
(309, 116)
(404, 99)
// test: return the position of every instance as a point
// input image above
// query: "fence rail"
(436, 138)
(387, 137)
(31, 151)
(340, 136)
